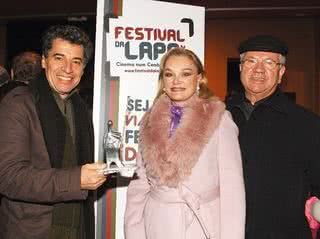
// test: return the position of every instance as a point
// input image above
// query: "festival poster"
(136, 34)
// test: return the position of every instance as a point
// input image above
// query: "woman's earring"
(198, 88)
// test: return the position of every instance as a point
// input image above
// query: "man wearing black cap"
(280, 144)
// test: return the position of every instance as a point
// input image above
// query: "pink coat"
(191, 185)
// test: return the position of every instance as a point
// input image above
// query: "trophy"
(112, 144)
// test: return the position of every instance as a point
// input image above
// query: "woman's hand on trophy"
(92, 176)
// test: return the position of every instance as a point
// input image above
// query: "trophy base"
(125, 171)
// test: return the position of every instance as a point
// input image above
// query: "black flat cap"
(266, 43)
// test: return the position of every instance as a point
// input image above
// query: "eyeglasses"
(267, 63)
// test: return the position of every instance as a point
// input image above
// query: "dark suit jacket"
(8, 86)
(31, 149)
(280, 146)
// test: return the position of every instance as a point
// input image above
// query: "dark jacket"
(8, 86)
(31, 149)
(280, 145)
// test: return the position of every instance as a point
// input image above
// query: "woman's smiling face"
(180, 78)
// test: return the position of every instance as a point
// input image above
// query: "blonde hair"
(204, 91)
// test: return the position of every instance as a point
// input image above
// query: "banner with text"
(136, 37)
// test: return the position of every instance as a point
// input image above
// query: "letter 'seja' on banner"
(131, 38)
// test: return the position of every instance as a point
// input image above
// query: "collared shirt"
(66, 216)
(66, 108)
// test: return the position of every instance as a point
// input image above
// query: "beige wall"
(317, 62)
(224, 35)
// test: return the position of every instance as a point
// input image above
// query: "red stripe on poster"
(111, 194)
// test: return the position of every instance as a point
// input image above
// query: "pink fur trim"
(170, 161)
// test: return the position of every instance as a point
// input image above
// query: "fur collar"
(170, 160)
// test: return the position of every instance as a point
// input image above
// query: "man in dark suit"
(4, 76)
(280, 144)
(47, 174)
(4, 79)
(26, 66)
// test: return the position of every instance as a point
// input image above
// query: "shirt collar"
(62, 103)
(277, 101)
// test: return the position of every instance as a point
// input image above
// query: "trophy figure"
(113, 157)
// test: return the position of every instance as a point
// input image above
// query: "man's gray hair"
(282, 58)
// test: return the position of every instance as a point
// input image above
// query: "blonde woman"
(189, 182)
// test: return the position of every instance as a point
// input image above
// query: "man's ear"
(281, 73)
(43, 62)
